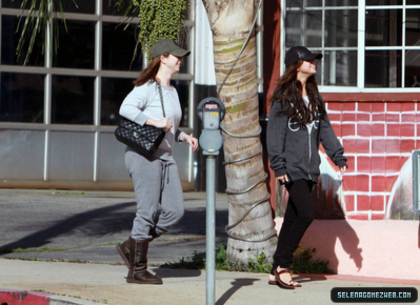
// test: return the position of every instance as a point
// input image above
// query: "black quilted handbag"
(144, 139)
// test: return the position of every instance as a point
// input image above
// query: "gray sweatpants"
(155, 182)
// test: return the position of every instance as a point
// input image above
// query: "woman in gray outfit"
(156, 180)
(297, 124)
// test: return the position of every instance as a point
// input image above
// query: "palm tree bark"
(231, 21)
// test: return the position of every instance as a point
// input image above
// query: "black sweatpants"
(297, 218)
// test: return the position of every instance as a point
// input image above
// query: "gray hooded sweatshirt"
(293, 150)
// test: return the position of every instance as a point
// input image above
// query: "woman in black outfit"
(297, 124)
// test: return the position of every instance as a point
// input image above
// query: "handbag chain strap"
(161, 98)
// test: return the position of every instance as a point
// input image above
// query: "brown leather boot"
(138, 259)
(124, 251)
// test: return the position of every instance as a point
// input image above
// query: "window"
(22, 97)
(9, 41)
(114, 57)
(76, 46)
(72, 100)
(87, 79)
(114, 90)
(367, 44)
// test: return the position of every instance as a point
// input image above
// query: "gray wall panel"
(111, 166)
(71, 155)
(21, 154)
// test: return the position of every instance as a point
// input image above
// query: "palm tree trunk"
(250, 218)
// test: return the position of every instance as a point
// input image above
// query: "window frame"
(361, 48)
(96, 128)
(97, 71)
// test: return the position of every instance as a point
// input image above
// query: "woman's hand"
(190, 140)
(162, 123)
(193, 143)
(343, 169)
(283, 179)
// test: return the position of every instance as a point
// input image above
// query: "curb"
(356, 278)
(24, 297)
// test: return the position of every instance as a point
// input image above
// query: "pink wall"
(387, 249)
(378, 138)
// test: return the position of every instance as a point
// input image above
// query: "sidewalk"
(87, 226)
(89, 284)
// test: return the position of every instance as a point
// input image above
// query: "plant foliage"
(260, 265)
(196, 262)
(159, 19)
(303, 263)
(40, 14)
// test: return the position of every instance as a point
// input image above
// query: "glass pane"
(307, 3)
(118, 46)
(383, 2)
(293, 29)
(341, 28)
(72, 100)
(83, 6)
(340, 68)
(341, 2)
(313, 2)
(383, 27)
(11, 3)
(412, 2)
(313, 29)
(412, 27)
(294, 3)
(113, 93)
(183, 88)
(9, 43)
(412, 68)
(76, 47)
(22, 97)
(109, 7)
(383, 69)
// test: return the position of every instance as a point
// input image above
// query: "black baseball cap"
(167, 46)
(300, 53)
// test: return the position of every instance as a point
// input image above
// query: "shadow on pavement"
(117, 218)
(176, 273)
(43, 237)
(236, 285)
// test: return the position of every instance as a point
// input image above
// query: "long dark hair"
(149, 74)
(289, 93)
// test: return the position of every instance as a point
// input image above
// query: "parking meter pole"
(211, 112)
(210, 229)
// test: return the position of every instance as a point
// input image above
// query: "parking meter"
(211, 111)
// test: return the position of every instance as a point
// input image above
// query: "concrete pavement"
(85, 226)
(89, 284)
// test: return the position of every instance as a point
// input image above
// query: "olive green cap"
(168, 46)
